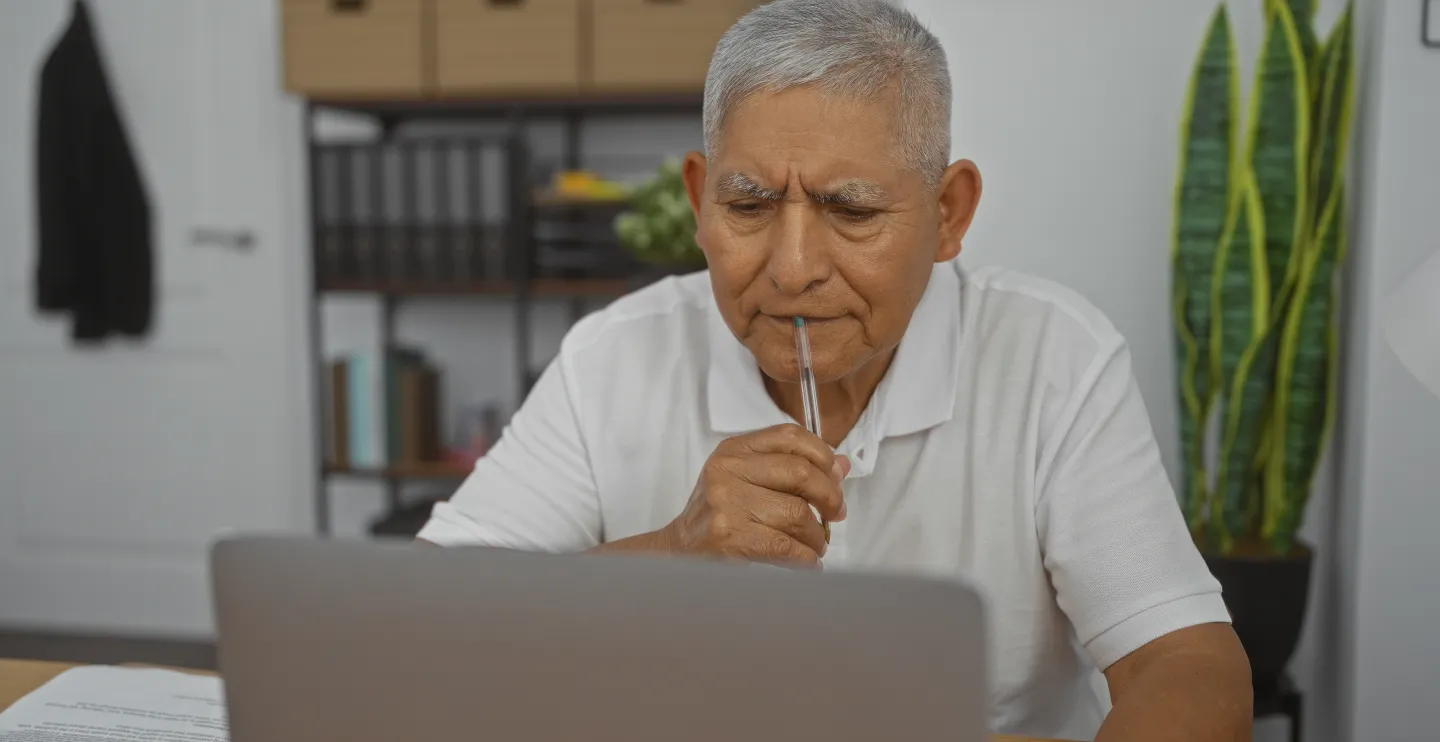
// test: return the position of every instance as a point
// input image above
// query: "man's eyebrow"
(850, 192)
(740, 185)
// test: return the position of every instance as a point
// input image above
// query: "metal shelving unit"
(356, 252)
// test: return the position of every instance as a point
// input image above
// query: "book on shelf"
(384, 413)
(430, 253)
(338, 437)
(412, 408)
(411, 211)
(362, 418)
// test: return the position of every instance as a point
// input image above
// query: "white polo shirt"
(1007, 444)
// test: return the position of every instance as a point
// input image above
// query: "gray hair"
(851, 47)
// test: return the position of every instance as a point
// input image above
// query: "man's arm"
(1191, 685)
(654, 542)
(1127, 574)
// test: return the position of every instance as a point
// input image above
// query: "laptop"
(380, 642)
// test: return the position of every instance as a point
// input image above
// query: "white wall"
(1072, 112)
(1391, 457)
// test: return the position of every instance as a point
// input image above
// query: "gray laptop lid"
(365, 642)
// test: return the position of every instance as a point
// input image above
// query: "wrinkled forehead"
(813, 128)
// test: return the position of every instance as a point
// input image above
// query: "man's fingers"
(761, 543)
(789, 439)
(792, 475)
(788, 514)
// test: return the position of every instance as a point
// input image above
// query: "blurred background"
(372, 221)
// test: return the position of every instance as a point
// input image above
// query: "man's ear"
(959, 197)
(693, 173)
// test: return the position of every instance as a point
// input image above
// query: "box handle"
(507, 3)
(347, 6)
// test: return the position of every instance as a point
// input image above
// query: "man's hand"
(754, 496)
(752, 502)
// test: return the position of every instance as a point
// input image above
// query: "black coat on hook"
(94, 255)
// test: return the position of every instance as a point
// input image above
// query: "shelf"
(544, 287)
(417, 288)
(435, 470)
(681, 102)
(400, 218)
(550, 199)
(575, 287)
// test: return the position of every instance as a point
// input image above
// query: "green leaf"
(1204, 190)
(1241, 293)
(1303, 13)
(1336, 95)
(1279, 145)
(1242, 344)
(1305, 381)
(1304, 397)
(1202, 195)
(1243, 420)
(1194, 494)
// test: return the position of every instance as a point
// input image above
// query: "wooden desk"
(19, 677)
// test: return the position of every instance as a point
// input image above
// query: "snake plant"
(1258, 244)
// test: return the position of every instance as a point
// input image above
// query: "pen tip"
(799, 322)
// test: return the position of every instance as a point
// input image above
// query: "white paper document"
(118, 704)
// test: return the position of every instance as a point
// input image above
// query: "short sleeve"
(534, 490)
(1115, 543)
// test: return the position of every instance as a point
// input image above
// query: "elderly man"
(982, 423)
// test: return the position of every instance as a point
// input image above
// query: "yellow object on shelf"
(583, 184)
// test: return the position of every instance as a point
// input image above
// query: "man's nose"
(798, 258)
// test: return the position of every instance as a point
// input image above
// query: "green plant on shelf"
(660, 227)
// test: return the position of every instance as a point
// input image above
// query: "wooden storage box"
(658, 45)
(499, 47)
(355, 48)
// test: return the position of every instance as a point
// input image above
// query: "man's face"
(809, 209)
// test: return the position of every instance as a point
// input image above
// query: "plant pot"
(1266, 596)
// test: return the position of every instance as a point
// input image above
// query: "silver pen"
(809, 399)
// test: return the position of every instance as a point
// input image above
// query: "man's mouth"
(809, 319)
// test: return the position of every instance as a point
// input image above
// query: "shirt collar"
(918, 391)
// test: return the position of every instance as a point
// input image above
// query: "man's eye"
(745, 208)
(855, 215)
